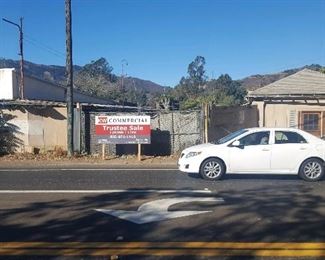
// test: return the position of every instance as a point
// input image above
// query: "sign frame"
(123, 129)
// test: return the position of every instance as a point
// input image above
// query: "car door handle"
(265, 149)
(303, 148)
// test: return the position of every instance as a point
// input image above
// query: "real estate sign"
(123, 129)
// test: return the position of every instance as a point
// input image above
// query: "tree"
(229, 87)
(166, 101)
(224, 81)
(322, 70)
(9, 141)
(191, 103)
(196, 71)
(138, 97)
(194, 90)
(191, 87)
(98, 68)
(96, 78)
(185, 89)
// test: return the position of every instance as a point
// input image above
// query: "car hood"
(198, 147)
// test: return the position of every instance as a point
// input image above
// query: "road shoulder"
(126, 162)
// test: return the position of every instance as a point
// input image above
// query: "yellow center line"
(164, 252)
(275, 249)
(211, 245)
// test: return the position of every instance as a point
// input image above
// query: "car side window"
(287, 137)
(258, 138)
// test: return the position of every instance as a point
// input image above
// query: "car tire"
(312, 170)
(212, 169)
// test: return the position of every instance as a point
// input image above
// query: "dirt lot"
(41, 160)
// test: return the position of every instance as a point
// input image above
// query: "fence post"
(206, 119)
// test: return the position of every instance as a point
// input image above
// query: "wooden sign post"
(139, 152)
(103, 151)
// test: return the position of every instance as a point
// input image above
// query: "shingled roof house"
(295, 101)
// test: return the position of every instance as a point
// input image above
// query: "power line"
(44, 46)
(47, 50)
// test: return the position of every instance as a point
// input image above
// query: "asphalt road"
(62, 212)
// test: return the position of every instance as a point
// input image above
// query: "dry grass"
(60, 156)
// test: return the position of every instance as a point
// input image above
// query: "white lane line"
(101, 191)
(84, 169)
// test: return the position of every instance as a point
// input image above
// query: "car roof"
(305, 134)
(273, 128)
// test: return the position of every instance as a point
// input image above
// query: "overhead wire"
(45, 47)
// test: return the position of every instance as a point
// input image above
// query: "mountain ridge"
(56, 73)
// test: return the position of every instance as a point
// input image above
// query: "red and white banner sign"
(123, 129)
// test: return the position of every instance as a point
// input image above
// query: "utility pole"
(69, 73)
(21, 54)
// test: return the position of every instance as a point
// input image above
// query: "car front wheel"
(212, 169)
(312, 170)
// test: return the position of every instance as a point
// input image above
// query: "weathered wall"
(170, 133)
(47, 127)
(260, 108)
(14, 135)
(224, 120)
(41, 128)
(285, 114)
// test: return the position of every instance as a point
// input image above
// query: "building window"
(311, 122)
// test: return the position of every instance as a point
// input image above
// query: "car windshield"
(230, 136)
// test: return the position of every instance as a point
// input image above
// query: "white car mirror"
(236, 144)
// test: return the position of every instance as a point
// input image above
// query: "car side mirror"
(237, 144)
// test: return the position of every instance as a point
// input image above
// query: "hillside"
(48, 72)
(57, 74)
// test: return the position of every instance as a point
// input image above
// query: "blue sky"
(159, 38)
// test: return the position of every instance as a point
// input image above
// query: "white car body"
(275, 158)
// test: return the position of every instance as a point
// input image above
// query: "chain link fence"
(171, 132)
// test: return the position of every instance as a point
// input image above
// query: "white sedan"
(258, 150)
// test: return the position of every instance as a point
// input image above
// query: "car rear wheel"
(312, 170)
(212, 169)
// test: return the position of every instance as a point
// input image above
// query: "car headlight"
(192, 154)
